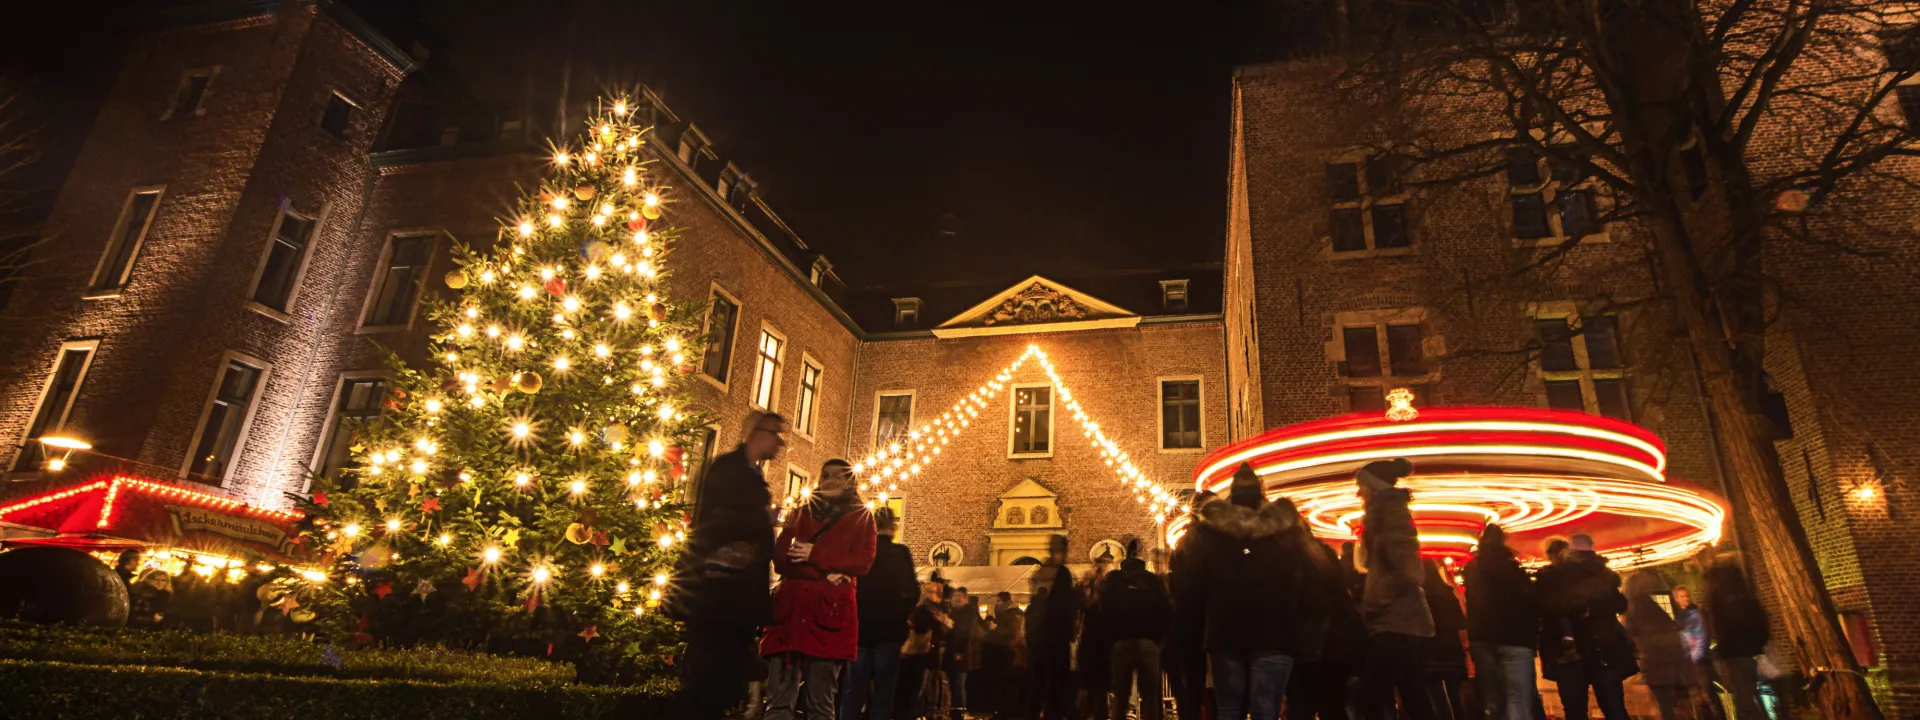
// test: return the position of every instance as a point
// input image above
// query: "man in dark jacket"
(1051, 620)
(1138, 614)
(1186, 656)
(958, 658)
(722, 593)
(1233, 569)
(884, 598)
(1583, 646)
(1740, 632)
(1394, 602)
(1502, 627)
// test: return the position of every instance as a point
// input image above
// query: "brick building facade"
(1328, 258)
(242, 238)
(281, 147)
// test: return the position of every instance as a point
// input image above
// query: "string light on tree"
(536, 380)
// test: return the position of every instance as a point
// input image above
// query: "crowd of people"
(1250, 616)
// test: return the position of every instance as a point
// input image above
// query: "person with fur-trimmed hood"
(1394, 602)
(1234, 571)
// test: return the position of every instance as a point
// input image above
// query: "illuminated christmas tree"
(519, 496)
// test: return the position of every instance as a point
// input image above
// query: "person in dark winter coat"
(1136, 609)
(1446, 657)
(1331, 631)
(821, 554)
(1051, 620)
(721, 594)
(958, 658)
(1503, 625)
(1092, 651)
(1186, 655)
(1664, 665)
(884, 598)
(1740, 631)
(1235, 571)
(1394, 603)
(998, 646)
(1581, 632)
(920, 671)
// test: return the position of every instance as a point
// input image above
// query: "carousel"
(1538, 473)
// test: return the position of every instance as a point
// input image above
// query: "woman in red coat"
(820, 556)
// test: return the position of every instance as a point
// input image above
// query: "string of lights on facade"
(900, 461)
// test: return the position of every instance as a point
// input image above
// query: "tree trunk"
(1753, 469)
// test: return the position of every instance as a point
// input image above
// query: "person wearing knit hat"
(1238, 593)
(1394, 602)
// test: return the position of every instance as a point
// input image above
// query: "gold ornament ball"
(457, 279)
(652, 212)
(301, 615)
(530, 382)
(578, 534)
(584, 192)
(657, 312)
(616, 432)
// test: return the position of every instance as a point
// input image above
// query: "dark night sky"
(1066, 138)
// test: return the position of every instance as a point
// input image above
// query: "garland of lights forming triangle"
(901, 461)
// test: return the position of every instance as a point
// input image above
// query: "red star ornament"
(592, 631)
(320, 499)
(383, 590)
(472, 580)
(431, 504)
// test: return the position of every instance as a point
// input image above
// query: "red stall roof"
(127, 512)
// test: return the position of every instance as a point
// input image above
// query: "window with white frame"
(1032, 424)
(706, 440)
(893, 416)
(807, 408)
(358, 402)
(397, 284)
(723, 317)
(766, 375)
(190, 97)
(56, 402)
(1369, 205)
(1550, 197)
(1381, 351)
(286, 258)
(1180, 414)
(129, 233)
(229, 410)
(797, 483)
(1581, 365)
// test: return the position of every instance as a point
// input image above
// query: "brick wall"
(1112, 373)
(226, 171)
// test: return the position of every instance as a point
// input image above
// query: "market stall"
(174, 527)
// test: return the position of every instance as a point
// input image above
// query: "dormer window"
(1173, 295)
(818, 274)
(693, 144)
(727, 183)
(906, 311)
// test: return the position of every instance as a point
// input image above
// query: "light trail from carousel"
(1538, 473)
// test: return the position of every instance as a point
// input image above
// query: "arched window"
(1015, 516)
(1024, 560)
(1039, 516)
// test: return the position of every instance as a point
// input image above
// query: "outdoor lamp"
(63, 442)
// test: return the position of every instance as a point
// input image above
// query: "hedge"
(274, 655)
(54, 690)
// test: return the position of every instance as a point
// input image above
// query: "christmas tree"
(519, 495)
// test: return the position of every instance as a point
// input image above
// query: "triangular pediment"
(1027, 489)
(1036, 304)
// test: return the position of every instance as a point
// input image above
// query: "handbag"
(918, 643)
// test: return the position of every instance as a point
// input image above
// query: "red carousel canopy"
(1537, 473)
(124, 512)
